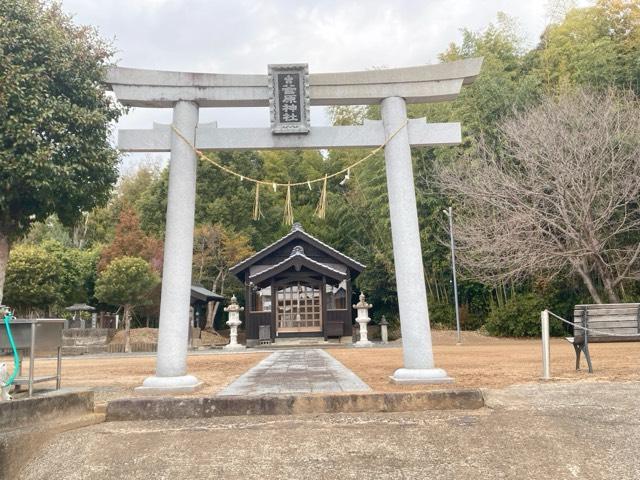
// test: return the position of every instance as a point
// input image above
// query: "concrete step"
(299, 341)
(90, 340)
(274, 346)
(97, 348)
(73, 350)
(88, 332)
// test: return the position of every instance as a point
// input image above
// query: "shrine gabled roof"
(297, 260)
(198, 292)
(297, 232)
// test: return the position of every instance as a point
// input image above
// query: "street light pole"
(449, 214)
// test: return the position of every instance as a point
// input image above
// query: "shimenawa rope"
(320, 211)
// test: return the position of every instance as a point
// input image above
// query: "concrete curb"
(27, 424)
(51, 407)
(165, 408)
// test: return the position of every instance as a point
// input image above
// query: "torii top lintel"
(162, 89)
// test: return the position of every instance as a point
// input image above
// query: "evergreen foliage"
(55, 118)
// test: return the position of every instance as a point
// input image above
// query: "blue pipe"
(16, 359)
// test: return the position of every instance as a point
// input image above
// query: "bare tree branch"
(563, 196)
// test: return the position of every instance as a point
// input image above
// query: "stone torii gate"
(392, 89)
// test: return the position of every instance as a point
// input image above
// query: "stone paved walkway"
(296, 371)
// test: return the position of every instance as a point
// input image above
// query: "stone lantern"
(234, 322)
(384, 333)
(363, 319)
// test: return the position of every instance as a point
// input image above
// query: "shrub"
(34, 279)
(442, 316)
(520, 317)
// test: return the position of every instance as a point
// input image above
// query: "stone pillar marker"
(234, 322)
(363, 320)
(384, 331)
(171, 367)
(407, 253)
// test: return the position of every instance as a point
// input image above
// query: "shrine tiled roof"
(298, 232)
(297, 259)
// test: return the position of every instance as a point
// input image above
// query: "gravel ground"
(546, 431)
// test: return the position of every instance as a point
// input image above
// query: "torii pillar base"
(413, 376)
(167, 385)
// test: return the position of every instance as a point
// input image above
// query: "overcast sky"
(243, 36)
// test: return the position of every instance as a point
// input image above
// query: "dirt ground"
(114, 377)
(484, 362)
(489, 362)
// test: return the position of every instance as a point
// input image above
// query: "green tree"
(55, 156)
(595, 46)
(34, 279)
(49, 230)
(127, 282)
(50, 276)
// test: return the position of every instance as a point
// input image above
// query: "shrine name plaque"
(289, 98)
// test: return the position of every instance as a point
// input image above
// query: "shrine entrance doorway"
(299, 308)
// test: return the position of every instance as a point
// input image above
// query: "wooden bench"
(621, 319)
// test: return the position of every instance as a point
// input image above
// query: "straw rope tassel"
(288, 209)
(275, 185)
(321, 209)
(257, 213)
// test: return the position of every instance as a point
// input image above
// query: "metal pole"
(449, 213)
(546, 356)
(31, 357)
(59, 369)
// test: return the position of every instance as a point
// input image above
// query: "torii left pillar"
(171, 367)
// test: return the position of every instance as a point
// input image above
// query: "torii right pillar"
(417, 350)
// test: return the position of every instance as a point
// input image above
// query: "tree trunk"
(608, 287)
(588, 283)
(612, 294)
(4, 261)
(211, 314)
(604, 271)
(428, 285)
(127, 326)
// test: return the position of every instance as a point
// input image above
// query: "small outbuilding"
(297, 287)
(200, 297)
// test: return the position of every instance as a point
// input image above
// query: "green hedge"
(520, 317)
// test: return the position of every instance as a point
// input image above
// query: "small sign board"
(289, 98)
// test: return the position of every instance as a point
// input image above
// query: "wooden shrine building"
(297, 287)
